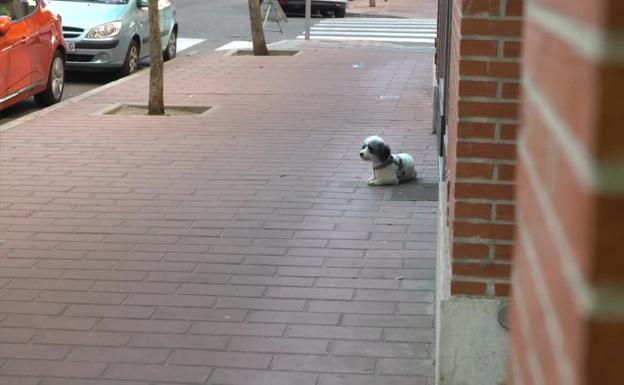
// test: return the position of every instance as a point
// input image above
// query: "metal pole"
(308, 15)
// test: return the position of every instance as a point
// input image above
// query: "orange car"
(32, 53)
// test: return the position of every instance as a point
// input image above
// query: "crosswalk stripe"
(186, 43)
(418, 31)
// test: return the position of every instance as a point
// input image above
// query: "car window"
(17, 9)
(100, 1)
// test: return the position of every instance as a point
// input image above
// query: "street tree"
(156, 105)
(257, 30)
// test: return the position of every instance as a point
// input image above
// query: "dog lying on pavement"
(388, 169)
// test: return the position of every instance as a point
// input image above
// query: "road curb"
(373, 15)
(64, 103)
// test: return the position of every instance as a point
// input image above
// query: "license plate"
(71, 46)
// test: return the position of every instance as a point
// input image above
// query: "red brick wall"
(483, 115)
(568, 283)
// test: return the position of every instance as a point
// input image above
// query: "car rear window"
(17, 9)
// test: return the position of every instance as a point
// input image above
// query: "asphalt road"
(216, 22)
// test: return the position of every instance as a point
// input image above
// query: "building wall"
(483, 117)
(568, 282)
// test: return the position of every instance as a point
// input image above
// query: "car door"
(166, 19)
(142, 20)
(19, 46)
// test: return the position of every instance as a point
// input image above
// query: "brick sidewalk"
(241, 247)
(420, 9)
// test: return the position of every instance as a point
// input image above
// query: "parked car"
(113, 34)
(32, 53)
(326, 7)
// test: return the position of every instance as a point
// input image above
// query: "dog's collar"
(388, 162)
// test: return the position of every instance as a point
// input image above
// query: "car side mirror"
(5, 24)
(143, 3)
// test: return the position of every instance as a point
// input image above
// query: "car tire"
(172, 48)
(56, 82)
(339, 12)
(131, 64)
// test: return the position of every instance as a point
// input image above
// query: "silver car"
(113, 34)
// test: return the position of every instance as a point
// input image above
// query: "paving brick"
(257, 377)
(161, 276)
(10, 380)
(362, 307)
(259, 303)
(317, 272)
(35, 352)
(309, 293)
(175, 341)
(215, 268)
(146, 326)
(49, 322)
(409, 335)
(332, 234)
(284, 261)
(387, 321)
(220, 359)
(334, 332)
(135, 287)
(82, 381)
(49, 284)
(125, 355)
(105, 275)
(169, 300)
(221, 290)
(60, 337)
(164, 373)
(82, 297)
(358, 283)
(359, 379)
(294, 317)
(18, 295)
(52, 368)
(325, 364)
(271, 281)
(106, 311)
(400, 366)
(236, 328)
(278, 345)
(394, 296)
(193, 314)
(16, 335)
(380, 349)
(155, 266)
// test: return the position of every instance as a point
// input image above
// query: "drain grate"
(415, 192)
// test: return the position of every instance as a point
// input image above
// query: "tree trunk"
(257, 30)
(156, 104)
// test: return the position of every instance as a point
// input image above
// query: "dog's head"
(375, 149)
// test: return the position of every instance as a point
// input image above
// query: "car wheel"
(326, 13)
(172, 48)
(56, 82)
(339, 12)
(131, 64)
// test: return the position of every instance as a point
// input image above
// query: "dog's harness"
(392, 160)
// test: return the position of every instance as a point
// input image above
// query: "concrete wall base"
(472, 348)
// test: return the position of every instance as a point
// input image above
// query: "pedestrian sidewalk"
(239, 247)
(419, 9)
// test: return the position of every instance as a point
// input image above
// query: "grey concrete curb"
(373, 15)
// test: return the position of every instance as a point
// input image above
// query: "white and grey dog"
(388, 169)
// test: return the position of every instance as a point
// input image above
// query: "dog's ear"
(384, 152)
